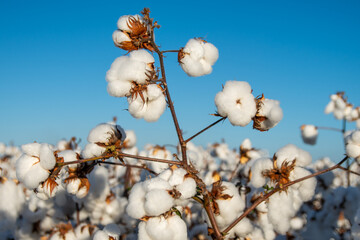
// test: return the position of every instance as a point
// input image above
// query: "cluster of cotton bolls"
(288, 164)
(341, 109)
(197, 57)
(130, 76)
(237, 103)
(153, 201)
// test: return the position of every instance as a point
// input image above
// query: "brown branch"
(206, 128)
(121, 154)
(348, 170)
(129, 165)
(170, 51)
(330, 128)
(266, 196)
(170, 103)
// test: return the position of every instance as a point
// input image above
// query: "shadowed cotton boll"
(309, 134)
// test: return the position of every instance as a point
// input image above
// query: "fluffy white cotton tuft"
(309, 134)
(236, 103)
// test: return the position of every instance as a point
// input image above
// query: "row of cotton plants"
(110, 189)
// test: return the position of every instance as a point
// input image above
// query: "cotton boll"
(297, 223)
(211, 53)
(236, 102)
(142, 55)
(32, 149)
(158, 201)
(35, 176)
(241, 229)
(246, 144)
(306, 188)
(69, 156)
(206, 67)
(269, 110)
(280, 211)
(143, 235)
(137, 107)
(112, 230)
(177, 227)
(92, 150)
(330, 107)
(194, 48)
(119, 37)
(135, 208)
(113, 73)
(156, 183)
(106, 133)
(177, 176)
(260, 165)
(119, 88)
(123, 22)
(130, 139)
(187, 188)
(309, 134)
(353, 144)
(100, 235)
(23, 165)
(192, 67)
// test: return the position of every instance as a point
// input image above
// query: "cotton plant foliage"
(109, 189)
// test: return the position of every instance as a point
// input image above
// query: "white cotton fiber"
(142, 55)
(257, 169)
(158, 201)
(23, 165)
(211, 53)
(187, 188)
(69, 156)
(119, 88)
(32, 149)
(92, 150)
(47, 158)
(35, 176)
(135, 208)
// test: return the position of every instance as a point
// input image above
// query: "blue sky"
(54, 56)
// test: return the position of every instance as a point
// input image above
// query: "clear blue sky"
(54, 56)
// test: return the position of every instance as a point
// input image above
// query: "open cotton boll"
(119, 88)
(32, 149)
(123, 22)
(156, 183)
(69, 156)
(135, 208)
(130, 139)
(35, 176)
(119, 37)
(187, 188)
(23, 165)
(309, 134)
(113, 73)
(241, 229)
(112, 230)
(280, 211)
(106, 133)
(158, 201)
(142, 55)
(194, 48)
(268, 115)
(329, 107)
(192, 67)
(260, 165)
(353, 144)
(47, 158)
(177, 176)
(246, 144)
(236, 102)
(211, 53)
(173, 227)
(306, 188)
(92, 150)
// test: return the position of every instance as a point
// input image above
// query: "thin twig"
(348, 170)
(206, 128)
(129, 165)
(330, 128)
(170, 51)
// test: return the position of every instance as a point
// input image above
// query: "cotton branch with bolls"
(110, 189)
